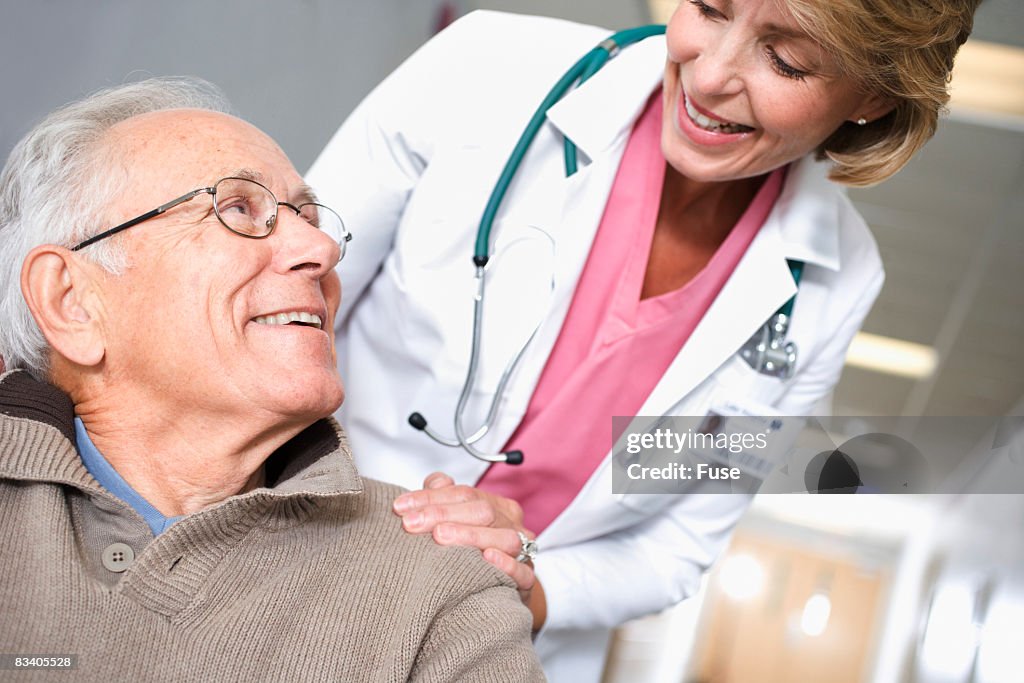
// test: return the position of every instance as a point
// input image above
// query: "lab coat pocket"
(643, 505)
(428, 275)
(439, 220)
(737, 381)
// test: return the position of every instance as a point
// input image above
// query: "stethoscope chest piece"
(768, 352)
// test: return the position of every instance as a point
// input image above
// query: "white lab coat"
(410, 172)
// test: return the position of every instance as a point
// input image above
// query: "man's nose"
(302, 246)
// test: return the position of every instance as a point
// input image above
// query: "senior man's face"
(181, 321)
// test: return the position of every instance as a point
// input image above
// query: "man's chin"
(310, 398)
(335, 404)
(324, 402)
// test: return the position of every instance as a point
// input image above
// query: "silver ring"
(528, 550)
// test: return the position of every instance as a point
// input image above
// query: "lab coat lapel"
(802, 226)
(600, 112)
(598, 117)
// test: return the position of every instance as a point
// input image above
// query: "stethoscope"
(767, 351)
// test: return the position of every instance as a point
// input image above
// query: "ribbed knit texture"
(312, 579)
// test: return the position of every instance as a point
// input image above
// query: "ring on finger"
(528, 548)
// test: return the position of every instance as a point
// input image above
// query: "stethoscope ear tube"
(466, 442)
(420, 423)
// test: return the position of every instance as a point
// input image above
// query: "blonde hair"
(901, 50)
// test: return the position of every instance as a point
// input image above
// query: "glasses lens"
(245, 206)
(323, 218)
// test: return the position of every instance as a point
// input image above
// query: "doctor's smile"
(708, 121)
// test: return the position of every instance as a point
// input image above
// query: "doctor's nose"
(718, 70)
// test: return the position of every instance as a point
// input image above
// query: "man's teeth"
(710, 124)
(290, 317)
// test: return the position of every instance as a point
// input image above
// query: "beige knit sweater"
(310, 579)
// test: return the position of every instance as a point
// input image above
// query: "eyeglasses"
(246, 208)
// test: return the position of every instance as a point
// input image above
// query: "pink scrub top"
(613, 347)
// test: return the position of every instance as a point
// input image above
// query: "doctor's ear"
(62, 296)
(872, 108)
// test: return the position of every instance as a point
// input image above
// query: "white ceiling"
(950, 227)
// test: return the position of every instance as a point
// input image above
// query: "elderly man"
(175, 502)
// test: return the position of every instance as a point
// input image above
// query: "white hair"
(57, 187)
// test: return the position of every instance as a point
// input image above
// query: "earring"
(861, 121)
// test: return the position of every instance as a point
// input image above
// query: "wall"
(295, 69)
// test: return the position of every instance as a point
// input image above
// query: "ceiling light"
(988, 78)
(951, 636)
(892, 356)
(814, 620)
(741, 577)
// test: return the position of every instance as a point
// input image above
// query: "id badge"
(751, 437)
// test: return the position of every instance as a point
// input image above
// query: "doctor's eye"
(782, 67)
(706, 10)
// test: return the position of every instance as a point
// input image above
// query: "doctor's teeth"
(710, 124)
(290, 317)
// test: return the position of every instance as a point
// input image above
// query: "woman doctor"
(700, 177)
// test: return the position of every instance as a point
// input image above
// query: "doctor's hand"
(462, 515)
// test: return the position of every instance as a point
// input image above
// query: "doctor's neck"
(706, 211)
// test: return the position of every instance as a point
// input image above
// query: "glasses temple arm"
(144, 217)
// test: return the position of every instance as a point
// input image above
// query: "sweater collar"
(37, 443)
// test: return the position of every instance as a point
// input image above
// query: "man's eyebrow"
(303, 194)
(249, 174)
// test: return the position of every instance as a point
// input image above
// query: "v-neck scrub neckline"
(614, 347)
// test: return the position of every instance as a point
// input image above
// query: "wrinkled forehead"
(180, 149)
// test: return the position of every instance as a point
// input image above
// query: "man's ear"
(61, 294)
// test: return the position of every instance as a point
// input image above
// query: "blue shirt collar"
(109, 479)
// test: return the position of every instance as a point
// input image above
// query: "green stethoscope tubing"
(584, 68)
(796, 269)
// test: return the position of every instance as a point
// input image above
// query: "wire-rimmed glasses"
(246, 208)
